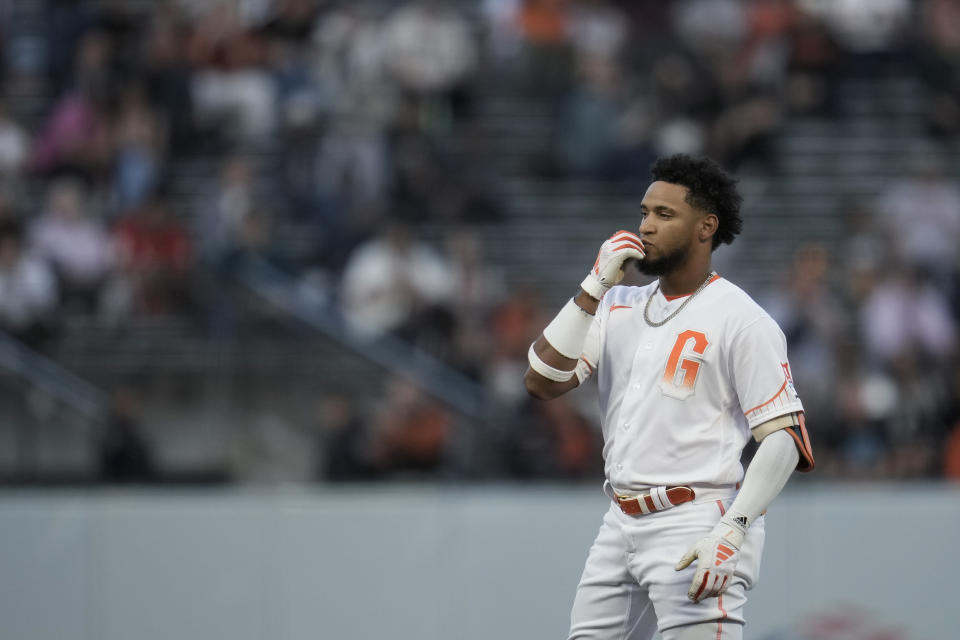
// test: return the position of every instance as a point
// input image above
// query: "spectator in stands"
(432, 182)
(869, 245)
(411, 432)
(713, 31)
(588, 127)
(514, 325)
(155, 260)
(765, 49)
(14, 145)
(94, 72)
(745, 130)
(424, 185)
(813, 319)
(921, 212)
(924, 395)
(396, 283)
(951, 455)
(860, 436)
(553, 441)
(939, 65)
(7, 211)
(287, 28)
(28, 290)
(479, 286)
(951, 427)
(604, 126)
(547, 47)
(222, 212)
(684, 100)
(76, 244)
(598, 29)
(872, 34)
(430, 51)
(251, 258)
(231, 89)
(349, 73)
(290, 21)
(68, 23)
(749, 69)
(75, 138)
(167, 76)
(812, 66)
(344, 443)
(140, 141)
(252, 253)
(904, 314)
(125, 455)
(352, 161)
(355, 102)
(502, 40)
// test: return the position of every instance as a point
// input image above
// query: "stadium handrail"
(50, 377)
(393, 354)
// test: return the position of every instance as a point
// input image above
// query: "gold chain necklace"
(646, 308)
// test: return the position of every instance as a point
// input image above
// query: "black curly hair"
(710, 189)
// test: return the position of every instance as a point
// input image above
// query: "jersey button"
(619, 467)
(626, 425)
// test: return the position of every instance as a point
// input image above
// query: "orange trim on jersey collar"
(684, 295)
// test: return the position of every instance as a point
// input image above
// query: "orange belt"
(657, 499)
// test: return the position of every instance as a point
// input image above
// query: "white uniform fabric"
(678, 401)
(677, 404)
(629, 587)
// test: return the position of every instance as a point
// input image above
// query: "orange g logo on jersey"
(680, 376)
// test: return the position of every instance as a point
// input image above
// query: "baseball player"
(688, 368)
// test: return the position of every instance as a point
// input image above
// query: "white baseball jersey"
(678, 401)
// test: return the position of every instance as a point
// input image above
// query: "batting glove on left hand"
(717, 555)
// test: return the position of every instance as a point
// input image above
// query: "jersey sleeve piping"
(775, 396)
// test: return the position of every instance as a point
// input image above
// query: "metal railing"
(51, 378)
(396, 356)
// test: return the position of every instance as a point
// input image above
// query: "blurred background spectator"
(125, 454)
(28, 290)
(323, 234)
(70, 236)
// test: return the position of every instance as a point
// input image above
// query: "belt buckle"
(649, 502)
(633, 505)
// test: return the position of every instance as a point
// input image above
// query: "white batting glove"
(608, 269)
(717, 555)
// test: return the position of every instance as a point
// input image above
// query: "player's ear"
(707, 227)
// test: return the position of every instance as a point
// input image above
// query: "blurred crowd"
(348, 153)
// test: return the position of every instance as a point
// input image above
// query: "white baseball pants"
(629, 588)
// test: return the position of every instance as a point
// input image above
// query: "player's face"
(668, 228)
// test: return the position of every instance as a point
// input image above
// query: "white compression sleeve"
(568, 330)
(775, 460)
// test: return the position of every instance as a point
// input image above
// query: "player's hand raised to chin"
(608, 268)
(717, 555)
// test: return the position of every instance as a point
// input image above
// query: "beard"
(665, 263)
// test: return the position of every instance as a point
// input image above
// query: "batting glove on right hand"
(608, 269)
(717, 555)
